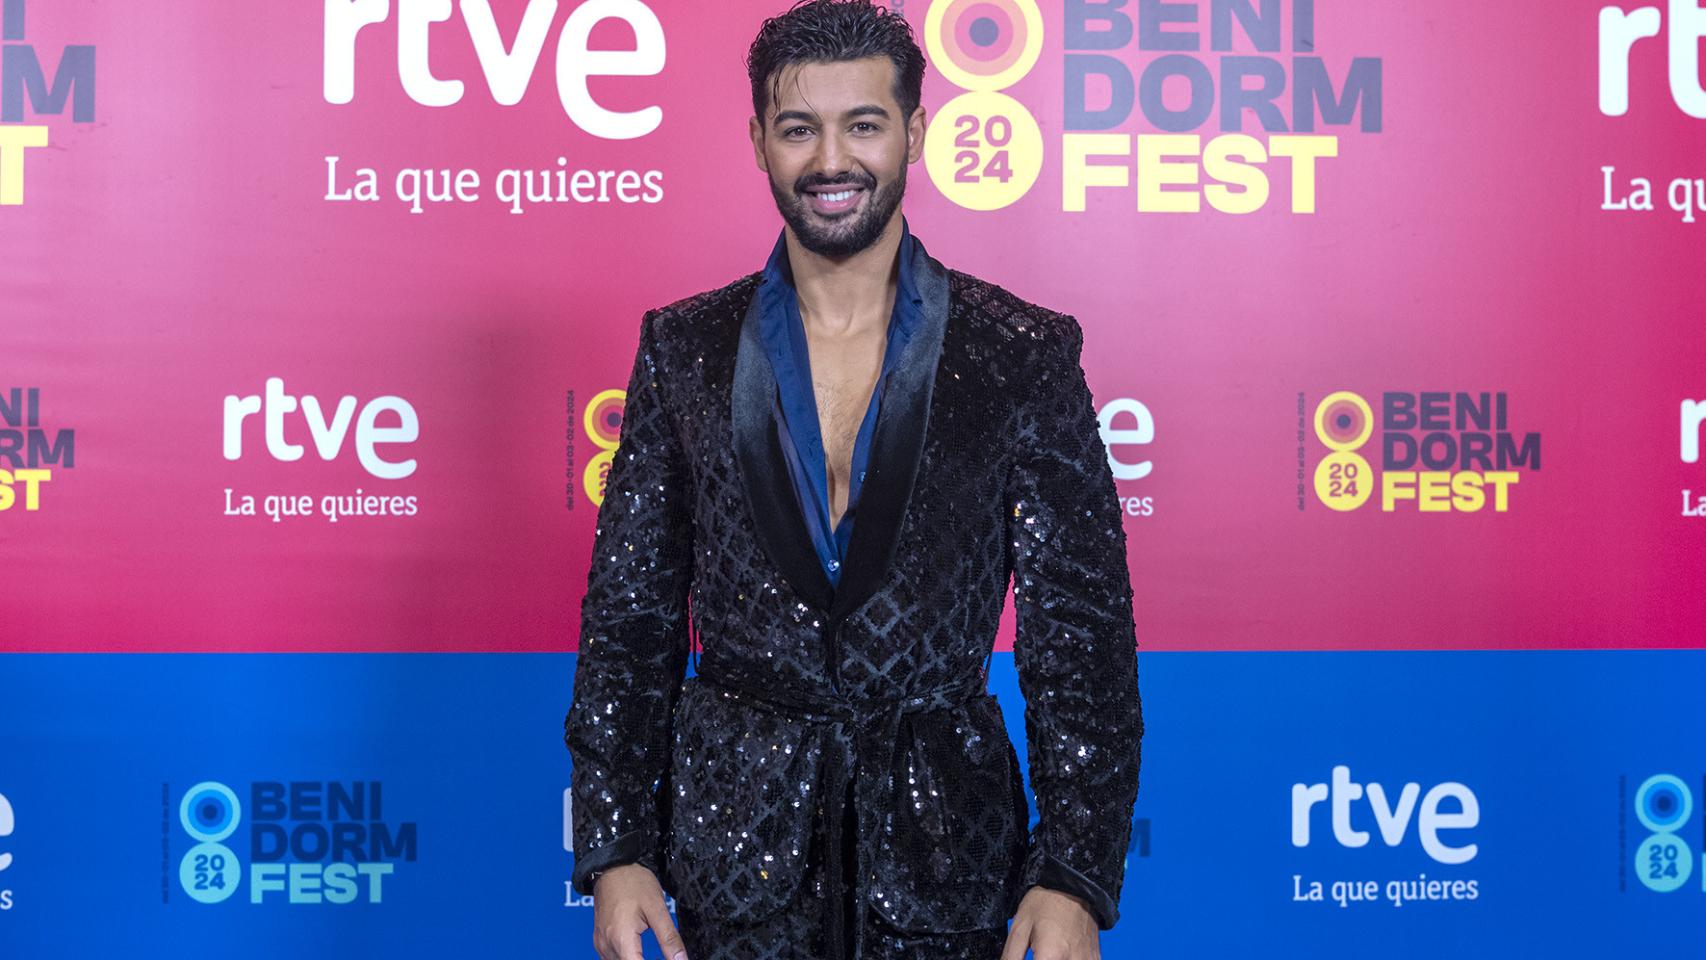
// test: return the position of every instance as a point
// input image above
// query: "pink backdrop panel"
(182, 248)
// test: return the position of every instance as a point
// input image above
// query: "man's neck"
(840, 296)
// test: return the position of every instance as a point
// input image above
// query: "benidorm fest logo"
(1254, 87)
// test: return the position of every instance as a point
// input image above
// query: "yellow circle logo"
(598, 419)
(984, 44)
(983, 150)
(1343, 480)
(1343, 420)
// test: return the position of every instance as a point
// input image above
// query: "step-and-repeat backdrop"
(315, 319)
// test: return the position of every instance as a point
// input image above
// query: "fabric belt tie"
(864, 734)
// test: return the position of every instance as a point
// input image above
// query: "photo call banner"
(315, 323)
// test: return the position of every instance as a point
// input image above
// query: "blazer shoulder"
(1035, 333)
(704, 316)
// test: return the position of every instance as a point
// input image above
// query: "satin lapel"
(780, 527)
(897, 445)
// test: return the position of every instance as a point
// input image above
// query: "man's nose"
(833, 158)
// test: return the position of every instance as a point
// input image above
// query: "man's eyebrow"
(862, 110)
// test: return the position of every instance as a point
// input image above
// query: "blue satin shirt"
(784, 336)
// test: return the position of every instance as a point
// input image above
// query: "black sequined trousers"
(797, 932)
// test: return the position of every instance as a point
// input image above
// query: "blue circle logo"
(209, 872)
(1663, 862)
(1663, 803)
(210, 811)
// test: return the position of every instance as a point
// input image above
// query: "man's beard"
(846, 235)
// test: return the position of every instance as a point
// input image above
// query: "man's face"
(836, 149)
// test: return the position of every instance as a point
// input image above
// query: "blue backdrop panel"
(412, 804)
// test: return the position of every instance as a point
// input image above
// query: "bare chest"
(844, 373)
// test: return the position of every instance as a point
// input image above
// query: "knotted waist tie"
(863, 734)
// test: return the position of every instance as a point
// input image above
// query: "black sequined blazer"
(987, 464)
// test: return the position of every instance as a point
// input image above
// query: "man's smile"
(834, 200)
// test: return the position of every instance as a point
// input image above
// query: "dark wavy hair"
(830, 31)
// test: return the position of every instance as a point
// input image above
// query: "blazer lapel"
(897, 446)
(780, 527)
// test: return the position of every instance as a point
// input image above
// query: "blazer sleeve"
(633, 635)
(1075, 646)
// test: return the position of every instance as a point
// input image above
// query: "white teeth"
(835, 197)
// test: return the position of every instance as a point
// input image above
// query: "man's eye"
(793, 130)
(866, 125)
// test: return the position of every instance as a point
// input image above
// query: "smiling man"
(843, 460)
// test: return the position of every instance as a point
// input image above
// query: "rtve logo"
(1620, 30)
(1392, 821)
(1693, 417)
(508, 69)
(1127, 424)
(1125, 421)
(329, 436)
(7, 823)
(1693, 420)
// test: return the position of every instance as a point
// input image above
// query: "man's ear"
(915, 127)
(755, 130)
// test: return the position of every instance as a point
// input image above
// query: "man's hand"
(626, 900)
(1053, 926)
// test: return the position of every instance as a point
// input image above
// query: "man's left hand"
(1053, 926)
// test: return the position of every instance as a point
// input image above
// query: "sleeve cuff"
(1044, 870)
(631, 847)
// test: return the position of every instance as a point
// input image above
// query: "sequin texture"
(725, 784)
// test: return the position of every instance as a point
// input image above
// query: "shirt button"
(835, 564)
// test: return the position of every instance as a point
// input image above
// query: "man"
(840, 461)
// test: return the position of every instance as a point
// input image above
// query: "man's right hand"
(626, 901)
